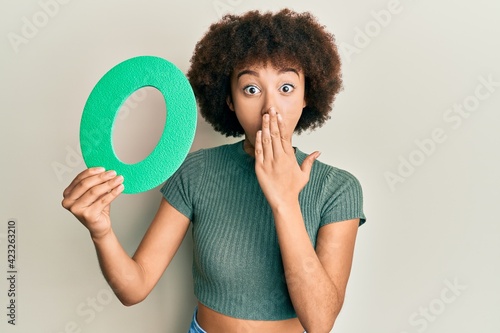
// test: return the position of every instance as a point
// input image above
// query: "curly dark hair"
(283, 38)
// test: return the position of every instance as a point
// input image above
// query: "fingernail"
(111, 173)
(118, 179)
(98, 169)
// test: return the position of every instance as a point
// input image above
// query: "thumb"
(308, 162)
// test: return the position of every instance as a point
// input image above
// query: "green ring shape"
(102, 107)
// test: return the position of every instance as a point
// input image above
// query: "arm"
(132, 279)
(316, 280)
(88, 197)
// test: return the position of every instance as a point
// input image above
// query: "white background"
(426, 260)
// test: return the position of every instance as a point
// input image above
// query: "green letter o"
(104, 102)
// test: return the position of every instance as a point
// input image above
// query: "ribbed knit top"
(237, 267)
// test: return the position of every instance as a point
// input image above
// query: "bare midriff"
(212, 321)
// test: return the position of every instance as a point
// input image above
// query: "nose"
(268, 103)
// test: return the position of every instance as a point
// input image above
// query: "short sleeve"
(181, 188)
(343, 198)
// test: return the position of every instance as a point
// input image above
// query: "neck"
(248, 147)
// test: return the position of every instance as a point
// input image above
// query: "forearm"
(123, 274)
(313, 294)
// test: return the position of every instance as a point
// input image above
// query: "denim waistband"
(195, 327)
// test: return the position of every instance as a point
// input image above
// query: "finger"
(103, 202)
(85, 184)
(266, 138)
(82, 183)
(90, 189)
(286, 141)
(275, 132)
(82, 175)
(94, 193)
(259, 154)
(308, 162)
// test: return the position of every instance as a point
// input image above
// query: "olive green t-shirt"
(237, 267)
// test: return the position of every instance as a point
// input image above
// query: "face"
(257, 88)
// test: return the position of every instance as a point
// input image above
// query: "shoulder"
(195, 163)
(339, 177)
(188, 177)
(201, 155)
(329, 177)
(340, 193)
(338, 182)
(208, 152)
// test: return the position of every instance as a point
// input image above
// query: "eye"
(251, 90)
(287, 88)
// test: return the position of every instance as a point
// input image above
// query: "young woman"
(273, 228)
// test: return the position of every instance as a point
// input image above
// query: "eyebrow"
(254, 73)
(285, 70)
(247, 71)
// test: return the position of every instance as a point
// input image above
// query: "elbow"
(128, 303)
(325, 321)
(129, 293)
(322, 326)
(130, 300)
(325, 325)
